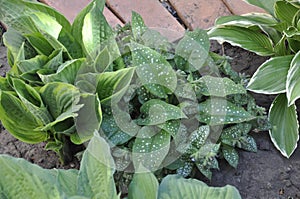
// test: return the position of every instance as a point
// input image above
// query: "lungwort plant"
(161, 105)
(274, 34)
(95, 180)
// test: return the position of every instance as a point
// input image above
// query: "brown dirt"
(262, 175)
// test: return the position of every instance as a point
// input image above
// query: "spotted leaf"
(193, 50)
(220, 87)
(231, 156)
(150, 150)
(154, 71)
(157, 112)
(217, 111)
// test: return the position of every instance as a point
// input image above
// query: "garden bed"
(265, 174)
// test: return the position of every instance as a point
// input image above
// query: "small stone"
(72, 165)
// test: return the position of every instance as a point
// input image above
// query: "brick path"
(193, 13)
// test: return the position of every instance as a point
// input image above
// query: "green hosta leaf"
(14, 41)
(88, 120)
(77, 25)
(62, 101)
(32, 100)
(193, 48)
(293, 80)
(113, 85)
(55, 60)
(231, 156)
(71, 44)
(96, 32)
(284, 125)
(113, 132)
(154, 71)
(40, 44)
(266, 5)
(271, 76)
(285, 12)
(245, 38)
(87, 82)
(102, 61)
(150, 150)
(39, 182)
(143, 185)
(18, 120)
(176, 187)
(158, 112)
(67, 72)
(10, 10)
(138, 26)
(95, 178)
(46, 23)
(247, 20)
(32, 64)
(218, 111)
(219, 87)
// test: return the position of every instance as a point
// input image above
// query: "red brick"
(70, 8)
(239, 7)
(153, 13)
(199, 13)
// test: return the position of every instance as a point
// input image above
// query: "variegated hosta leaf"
(266, 5)
(219, 87)
(176, 187)
(247, 20)
(271, 76)
(285, 12)
(62, 101)
(153, 70)
(18, 120)
(32, 64)
(158, 112)
(32, 100)
(284, 125)
(193, 48)
(217, 111)
(67, 72)
(150, 150)
(243, 37)
(97, 33)
(231, 156)
(112, 85)
(293, 80)
(88, 120)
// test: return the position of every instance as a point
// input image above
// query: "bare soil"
(262, 175)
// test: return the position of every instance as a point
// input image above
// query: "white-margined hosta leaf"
(266, 5)
(285, 12)
(293, 80)
(284, 125)
(245, 38)
(271, 76)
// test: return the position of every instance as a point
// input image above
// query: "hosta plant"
(167, 107)
(22, 179)
(274, 34)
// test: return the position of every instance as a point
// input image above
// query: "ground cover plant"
(162, 106)
(274, 34)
